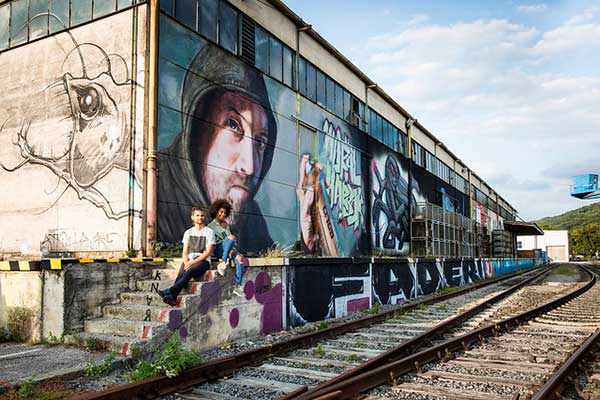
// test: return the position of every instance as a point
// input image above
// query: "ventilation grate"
(248, 49)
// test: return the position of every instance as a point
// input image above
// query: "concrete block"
(138, 312)
(136, 329)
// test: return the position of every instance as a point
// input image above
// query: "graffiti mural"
(318, 292)
(69, 123)
(331, 195)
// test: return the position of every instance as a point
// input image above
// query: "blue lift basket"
(585, 187)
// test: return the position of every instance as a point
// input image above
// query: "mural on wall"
(321, 292)
(225, 146)
(331, 195)
(389, 203)
(68, 123)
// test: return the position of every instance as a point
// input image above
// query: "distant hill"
(572, 219)
(583, 225)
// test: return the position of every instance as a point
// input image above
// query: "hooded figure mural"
(224, 150)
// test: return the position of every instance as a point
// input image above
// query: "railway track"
(520, 357)
(337, 356)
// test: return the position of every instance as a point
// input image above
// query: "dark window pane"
(59, 15)
(167, 6)
(330, 95)
(261, 50)
(339, 101)
(123, 3)
(386, 133)
(361, 113)
(321, 88)
(311, 81)
(208, 18)
(379, 128)
(302, 76)
(371, 123)
(104, 7)
(228, 28)
(81, 11)
(4, 18)
(347, 106)
(275, 59)
(288, 66)
(185, 12)
(18, 25)
(38, 18)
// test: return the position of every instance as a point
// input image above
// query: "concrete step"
(110, 326)
(123, 345)
(151, 286)
(151, 299)
(138, 312)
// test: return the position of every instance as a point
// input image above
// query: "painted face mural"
(224, 150)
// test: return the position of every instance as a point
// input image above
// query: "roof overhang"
(520, 228)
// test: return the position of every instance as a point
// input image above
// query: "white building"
(555, 243)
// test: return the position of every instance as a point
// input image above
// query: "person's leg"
(239, 268)
(228, 245)
(195, 272)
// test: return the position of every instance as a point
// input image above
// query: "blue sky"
(512, 87)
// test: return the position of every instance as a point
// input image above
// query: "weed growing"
(448, 290)
(173, 359)
(19, 323)
(353, 357)
(375, 309)
(26, 390)
(93, 370)
(318, 350)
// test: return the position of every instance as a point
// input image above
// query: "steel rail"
(388, 373)
(553, 387)
(226, 366)
(410, 345)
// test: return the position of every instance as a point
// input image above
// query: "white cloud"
(485, 89)
(533, 8)
(418, 19)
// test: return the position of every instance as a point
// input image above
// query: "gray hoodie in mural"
(179, 188)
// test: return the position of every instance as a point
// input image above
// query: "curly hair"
(217, 205)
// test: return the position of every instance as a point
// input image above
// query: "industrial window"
(59, 19)
(228, 28)
(361, 115)
(311, 82)
(18, 22)
(346, 112)
(107, 6)
(275, 58)
(4, 19)
(167, 6)
(123, 3)
(81, 11)
(302, 76)
(185, 12)
(38, 18)
(339, 100)
(288, 66)
(261, 50)
(207, 11)
(321, 97)
(330, 104)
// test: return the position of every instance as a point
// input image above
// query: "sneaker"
(164, 293)
(238, 291)
(221, 267)
(170, 300)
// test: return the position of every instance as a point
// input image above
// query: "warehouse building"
(117, 116)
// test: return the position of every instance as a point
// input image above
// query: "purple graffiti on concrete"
(209, 296)
(358, 305)
(270, 298)
(176, 322)
(234, 318)
(249, 289)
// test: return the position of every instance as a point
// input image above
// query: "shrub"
(93, 370)
(19, 323)
(173, 359)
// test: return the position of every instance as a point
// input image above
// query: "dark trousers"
(183, 276)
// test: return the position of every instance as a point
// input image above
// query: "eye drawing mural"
(78, 126)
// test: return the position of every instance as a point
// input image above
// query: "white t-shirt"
(197, 241)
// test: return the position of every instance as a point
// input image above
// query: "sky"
(511, 87)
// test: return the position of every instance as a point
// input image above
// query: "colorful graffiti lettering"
(344, 182)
